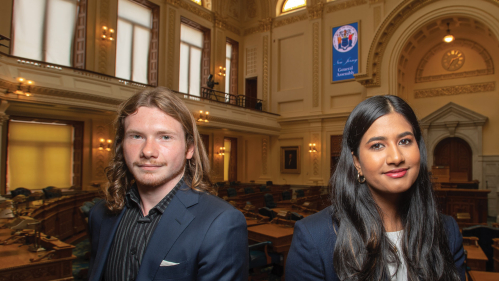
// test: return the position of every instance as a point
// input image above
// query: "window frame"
(293, 9)
(152, 69)
(234, 64)
(205, 51)
(78, 50)
(78, 127)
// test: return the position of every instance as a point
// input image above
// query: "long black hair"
(362, 250)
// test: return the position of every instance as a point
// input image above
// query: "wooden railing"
(239, 100)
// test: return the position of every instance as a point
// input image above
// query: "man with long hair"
(160, 219)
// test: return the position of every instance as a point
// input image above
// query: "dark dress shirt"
(133, 234)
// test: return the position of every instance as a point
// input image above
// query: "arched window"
(199, 2)
(291, 5)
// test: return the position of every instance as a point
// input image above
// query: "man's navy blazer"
(310, 257)
(205, 235)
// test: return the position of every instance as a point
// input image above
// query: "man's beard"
(153, 180)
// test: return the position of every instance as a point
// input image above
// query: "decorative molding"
(251, 55)
(239, 123)
(315, 156)
(265, 71)
(37, 90)
(264, 25)
(221, 22)
(171, 48)
(372, 76)
(251, 8)
(456, 75)
(104, 13)
(265, 144)
(316, 65)
(344, 5)
(251, 30)
(291, 20)
(371, 2)
(194, 8)
(3, 117)
(457, 43)
(455, 90)
(315, 12)
(376, 17)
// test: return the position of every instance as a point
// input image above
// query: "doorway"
(230, 159)
(457, 155)
(335, 152)
(251, 92)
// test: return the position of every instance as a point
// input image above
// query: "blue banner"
(345, 51)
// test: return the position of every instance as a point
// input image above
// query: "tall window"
(136, 44)
(291, 5)
(194, 57)
(231, 65)
(44, 30)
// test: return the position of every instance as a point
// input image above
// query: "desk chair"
(248, 190)
(299, 193)
(20, 190)
(267, 212)
(485, 234)
(51, 192)
(231, 192)
(259, 258)
(264, 188)
(295, 216)
(269, 201)
(269, 183)
(286, 195)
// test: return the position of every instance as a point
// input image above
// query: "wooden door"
(251, 92)
(456, 154)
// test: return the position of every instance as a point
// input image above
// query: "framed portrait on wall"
(290, 160)
(345, 52)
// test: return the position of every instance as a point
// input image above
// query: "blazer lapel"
(172, 223)
(106, 237)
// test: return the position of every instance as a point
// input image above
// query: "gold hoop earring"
(361, 178)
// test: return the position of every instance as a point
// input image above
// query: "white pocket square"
(168, 263)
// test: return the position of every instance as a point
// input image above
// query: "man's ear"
(190, 151)
(356, 163)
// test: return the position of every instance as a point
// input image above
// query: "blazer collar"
(173, 222)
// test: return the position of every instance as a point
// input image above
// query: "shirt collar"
(133, 197)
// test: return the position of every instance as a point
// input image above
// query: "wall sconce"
(221, 71)
(449, 37)
(105, 32)
(102, 146)
(311, 147)
(22, 89)
(222, 151)
(205, 119)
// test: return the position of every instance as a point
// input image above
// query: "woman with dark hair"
(383, 223)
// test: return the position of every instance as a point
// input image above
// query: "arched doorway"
(455, 153)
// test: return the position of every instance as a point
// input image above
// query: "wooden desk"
(484, 276)
(253, 222)
(279, 236)
(476, 258)
(471, 201)
(277, 210)
(15, 263)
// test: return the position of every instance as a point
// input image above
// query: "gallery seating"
(286, 195)
(485, 234)
(267, 212)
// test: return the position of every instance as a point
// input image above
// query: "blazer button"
(133, 251)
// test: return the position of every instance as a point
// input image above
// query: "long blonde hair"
(197, 168)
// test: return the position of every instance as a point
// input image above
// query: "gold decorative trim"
(103, 18)
(171, 48)
(291, 20)
(265, 144)
(264, 26)
(194, 9)
(37, 90)
(240, 123)
(344, 5)
(316, 64)
(265, 71)
(221, 22)
(315, 12)
(456, 90)
(372, 77)
(457, 43)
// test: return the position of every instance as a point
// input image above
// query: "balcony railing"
(239, 100)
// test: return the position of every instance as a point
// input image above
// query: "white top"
(396, 239)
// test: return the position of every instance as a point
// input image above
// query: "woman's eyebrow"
(384, 138)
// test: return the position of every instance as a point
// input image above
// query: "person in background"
(383, 223)
(160, 220)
